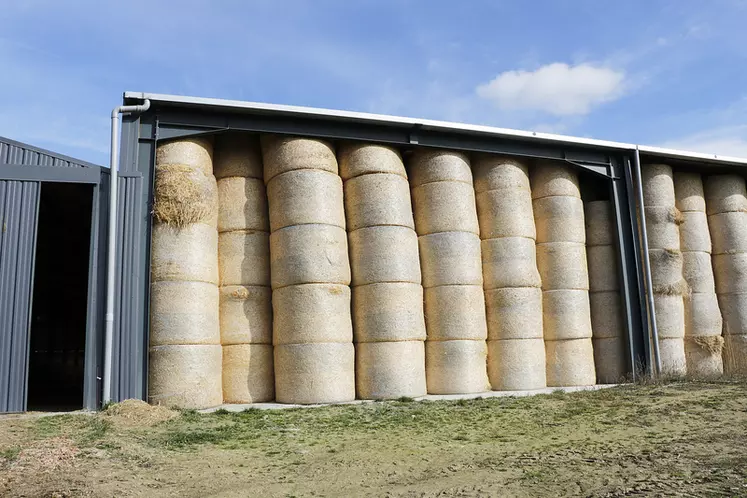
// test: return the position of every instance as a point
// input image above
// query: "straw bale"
(603, 269)
(698, 271)
(735, 354)
(666, 271)
(606, 314)
(305, 197)
(454, 312)
(244, 258)
(182, 196)
(500, 173)
(306, 254)
(456, 367)
(729, 232)
(390, 370)
(390, 311)
(600, 228)
(562, 265)
(384, 254)
(694, 234)
(725, 193)
(703, 356)
(570, 363)
(189, 253)
(658, 185)
(702, 315)
(282, 154)
(731, 273)
(378, 199)
(509, 262)
(433, 165)
(662, 227)
(734, 312)
(688, 192)
(315, 373)
(195, 153)
(610, 360)
(672, 353)
(505, 213)
(551, 178)
(514, 313)
(185, 376)
(450, 258)
(242, 204)
(445, 207)
(311, 313)
(184, 313)
(248, 375)
(516, 364)
(670, 316)
(237, 155)
(245, 315)
(566, 314)
(358, 159)
(559, 219)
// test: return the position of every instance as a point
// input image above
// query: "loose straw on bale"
(183, 196)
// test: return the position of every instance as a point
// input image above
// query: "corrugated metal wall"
(12, 152)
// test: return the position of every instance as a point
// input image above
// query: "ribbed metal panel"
(12, 152)
(19, 204)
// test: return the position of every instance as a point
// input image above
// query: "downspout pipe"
(112, 242)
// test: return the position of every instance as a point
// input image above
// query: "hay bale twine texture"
(248, 373)
(516, 351)
(314, 358)
(448, 236)
(185, 375)
(389, 324)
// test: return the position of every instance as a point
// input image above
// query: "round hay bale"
(562, 265)
(514, 313)
(701, 362)
(445, 207)
(500, 173)
(429, 165)
(735, 354)
(662, 227)
(559, 219)
(734, 312)
(358, 159)
(248, 374)
(308, 374)
(516, 364)
(729, 232)
(610, 360)
(304, 197)
(702, 315)
(666, 271)
(658, 185)
(600, 228)
(509, 262)
(450, 258)
(505, 213)
(570, 363)
(183, 196)
(566, 314)
(553, 178)
(384, 254)
(245, 315)
(242, 204)
(455, 312)
(244, 258)
(237, 155)
(456, 367)
(670, 316)
(698, 272)
(731, 273)
(183, 313)
(281, 154)
(606, 315)
(391, 311)
(688, 192)
(390, 370)
(378, 199)
(307, 254)
(189, 253)
(694, 234)
(603, 269)
(185, 376)
(195, 153)
(725, 193)
(311, 313)
(672, 353)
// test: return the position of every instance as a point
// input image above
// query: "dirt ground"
(677, 439)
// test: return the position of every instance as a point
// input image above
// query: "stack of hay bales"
(703, 324)
(448, 235)
(607, 325)
(244, 264)
(726, 200)
(516, 350)
(185, 348)
(561, 260)
(387, 291)
(310, 272)
(669, 287)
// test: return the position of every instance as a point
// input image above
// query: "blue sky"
(656, 72)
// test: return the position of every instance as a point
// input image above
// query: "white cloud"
(725, 141)
(557, 88)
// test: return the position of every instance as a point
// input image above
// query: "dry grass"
(183, 195)
(676, 217)
(137, 413)
(681, 288)
(713, 344)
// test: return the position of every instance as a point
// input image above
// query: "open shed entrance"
(60, 298)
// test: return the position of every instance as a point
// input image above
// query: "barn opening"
(60, 298)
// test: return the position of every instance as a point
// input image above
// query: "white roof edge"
(433, 124)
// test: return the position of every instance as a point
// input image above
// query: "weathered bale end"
(384, 254)
(734, 312)
(245, 315)
(562, 265)
(662, 225)
(698, 272)
(388, 370)
(703, 356)
(315, 373)
(566, 315)
(450, 258)
(445, 206)
(694, 234)
(388, 311)
(310, 313)
(688, 192)
(303, 197)
(552, 178)
(610, 359)
(248, 373)
(510, 262)
(570, 363)
(429, 165)
(505, 213)
(184, 313)
(185, 376)
(603, 272)
(559, 219)
(493, 172)
(725, 193)
(189, 253)
(702, 315)
(729, 232)
(731, 273)
(670, 315)
(456, 312)
(658, 185)
(599, 226)
(237, 155)
(282, 154)
(672, 353)
(514, 313)
(456, 367)
(194, 153)
(606, 314)
(183, 196)
(244, 258)
(242, 204)
(358, 159)
(735, 354)
(666, 271)
(516, 364)
(378, 199)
